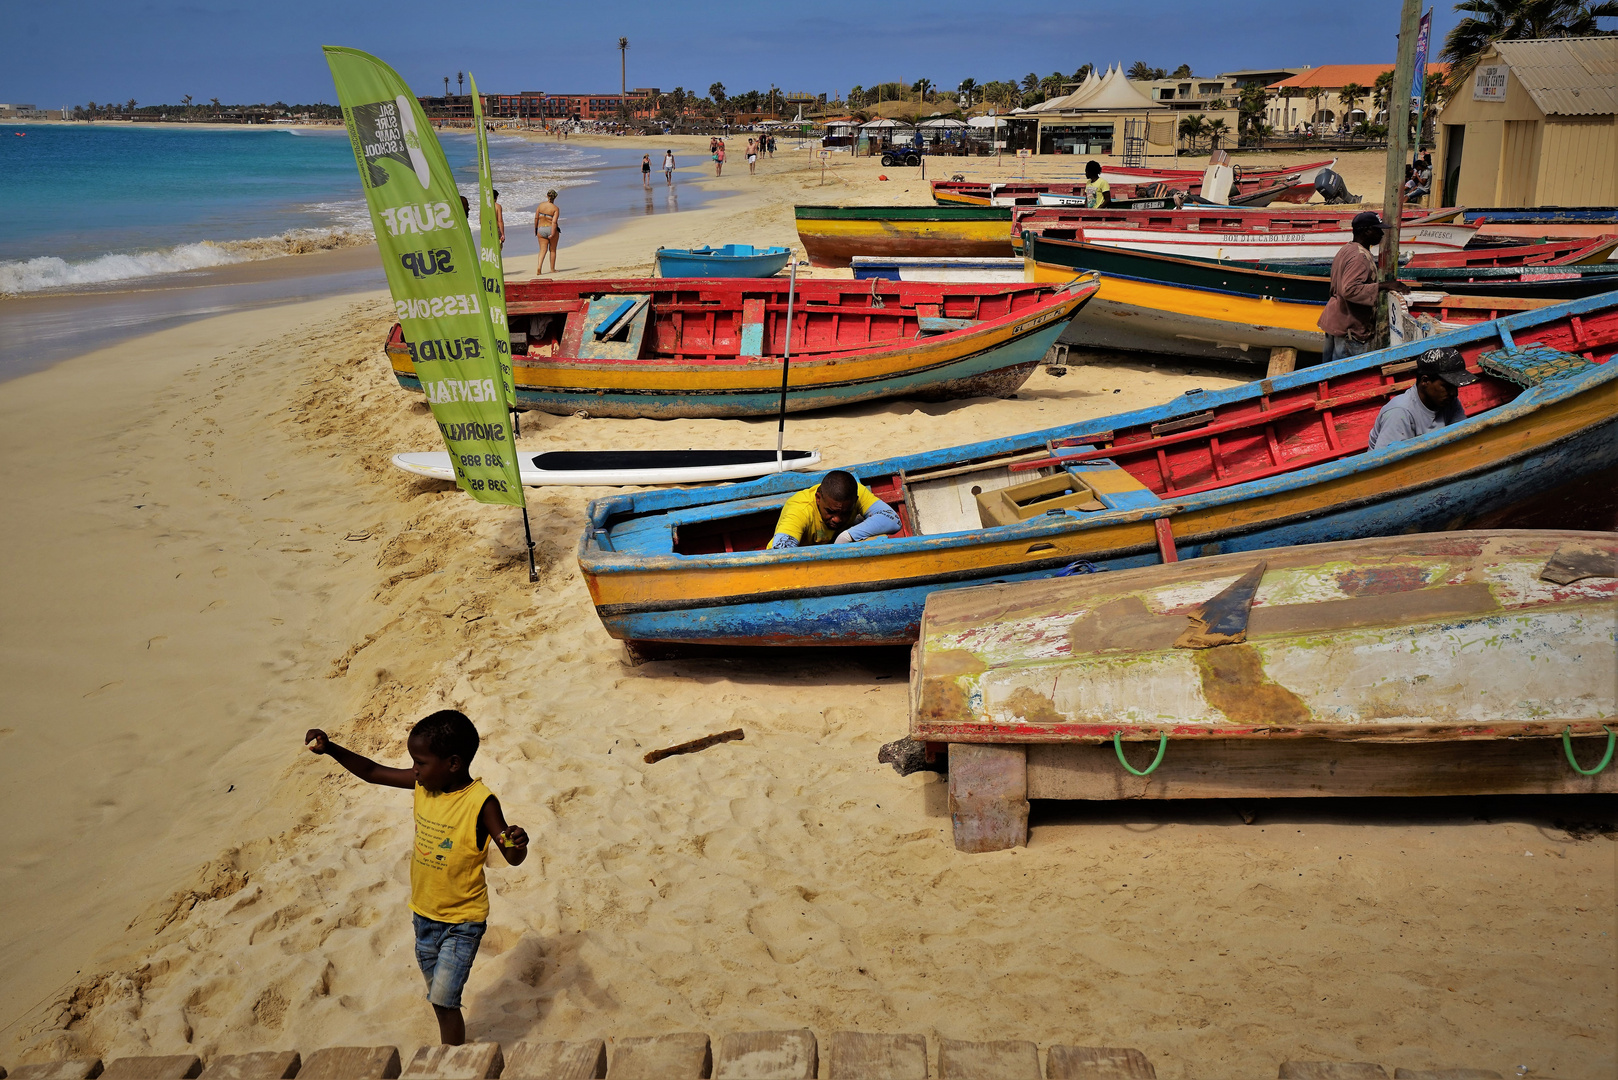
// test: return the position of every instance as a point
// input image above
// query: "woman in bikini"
(548, 229)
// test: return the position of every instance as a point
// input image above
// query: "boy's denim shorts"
(445, 952)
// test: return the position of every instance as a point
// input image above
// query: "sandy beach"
(210, 553)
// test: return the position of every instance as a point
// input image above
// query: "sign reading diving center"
(1489, 83)
(434, 272)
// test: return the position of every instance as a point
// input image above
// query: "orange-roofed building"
(1291, 105)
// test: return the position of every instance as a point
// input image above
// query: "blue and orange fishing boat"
(693, 347)
(1277, 462)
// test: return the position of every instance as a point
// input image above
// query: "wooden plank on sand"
(1098, 1063)
(1009, 1060)
(171, 1067)
(76, 1069)
(1331, 1070)
(582, 1060)
(263, 1065)
(683, 1055)
(767, 1055)
(470, 1061)
(1295, 768)
(988, 796)
(856, 1055)
(352, 1063)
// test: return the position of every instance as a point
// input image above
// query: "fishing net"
(1531, 365)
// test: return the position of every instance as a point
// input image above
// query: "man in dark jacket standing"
(1349, 321)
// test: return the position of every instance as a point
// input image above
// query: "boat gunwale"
(626, 506)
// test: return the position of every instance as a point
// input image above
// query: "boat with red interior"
(1275, 462)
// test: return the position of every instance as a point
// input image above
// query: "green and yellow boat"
(833, 235)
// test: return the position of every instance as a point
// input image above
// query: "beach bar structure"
(1535, 125)
(1099, 117)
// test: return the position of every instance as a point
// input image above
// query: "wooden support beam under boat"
(988, 796)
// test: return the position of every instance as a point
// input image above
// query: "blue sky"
(56, 52)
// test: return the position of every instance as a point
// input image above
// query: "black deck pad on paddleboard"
(626, 460)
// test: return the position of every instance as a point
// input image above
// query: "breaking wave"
(49, 272)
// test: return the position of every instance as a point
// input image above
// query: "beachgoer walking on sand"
(499, 219)
(646, 170)
(752, 156)
(548, 229)
(719, 159)
(769, 144)
(456, 817)
(668, 166)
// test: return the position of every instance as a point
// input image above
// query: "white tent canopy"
(882, 122)
(986, 121)
(945, 122)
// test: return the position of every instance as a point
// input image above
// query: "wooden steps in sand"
(754, 1055)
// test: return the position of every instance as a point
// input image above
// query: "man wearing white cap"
(1433, 402)
(1349, 321)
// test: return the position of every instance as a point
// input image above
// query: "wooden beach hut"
(1535, 125)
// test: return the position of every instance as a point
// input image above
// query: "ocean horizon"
(145, 212)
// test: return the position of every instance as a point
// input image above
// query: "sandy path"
(191, 600)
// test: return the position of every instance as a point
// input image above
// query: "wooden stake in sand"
(734, 735)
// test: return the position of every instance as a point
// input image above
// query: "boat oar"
(781, 421)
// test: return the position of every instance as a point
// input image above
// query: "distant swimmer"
(456, 817)
(548, 229)
(838, 510)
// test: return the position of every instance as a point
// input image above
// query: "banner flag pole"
(434, 274)
(492, 258)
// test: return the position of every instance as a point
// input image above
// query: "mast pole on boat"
(781, 420)
(1393, 183)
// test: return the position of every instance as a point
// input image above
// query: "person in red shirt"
(1349, 321)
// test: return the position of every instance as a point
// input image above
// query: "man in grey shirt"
(1434, 401)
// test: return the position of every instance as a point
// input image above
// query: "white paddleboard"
(624, 468)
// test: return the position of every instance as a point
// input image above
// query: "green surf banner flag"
(433, 271)
(489, 254)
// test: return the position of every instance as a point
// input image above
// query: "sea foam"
(49, 272)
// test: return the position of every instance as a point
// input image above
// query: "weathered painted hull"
(1119, 174)
(1302, 246)
(729, 371)
(1439, 636)
(833, 236)
(1216, 311)
(937, 269)
(765, 262)
(1550, 435)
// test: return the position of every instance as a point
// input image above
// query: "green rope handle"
(1163, 744)
(1567, 747)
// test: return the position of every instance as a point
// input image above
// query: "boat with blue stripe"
(728, 261)
(1277, 462)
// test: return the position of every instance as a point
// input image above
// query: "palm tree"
(717, 93)
(623, 81)
(1216, 131)
(1182, 72)
(1192, 128)
(856, 97)
(1030, 83)
(130, 106)
(1512, 20)
(1140, 71)
(922, 86)
(1382, 91)
(186, 101)
(1313, 96)
(965, 90)
(1350, 95)
(1052, 83)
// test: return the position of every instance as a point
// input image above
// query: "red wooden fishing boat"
(709, 347)
(1562, 253)
(1068, 223)
(1125, 174)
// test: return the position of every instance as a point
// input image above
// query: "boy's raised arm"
(358, 764)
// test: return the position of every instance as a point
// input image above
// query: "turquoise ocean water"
(129, 218)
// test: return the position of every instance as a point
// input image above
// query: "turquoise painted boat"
(729, 261)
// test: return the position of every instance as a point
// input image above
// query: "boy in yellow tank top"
(456, 817)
